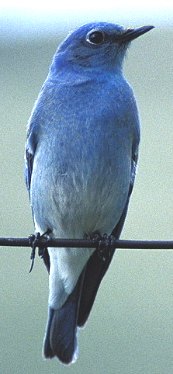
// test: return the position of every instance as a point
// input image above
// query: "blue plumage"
(81, 156)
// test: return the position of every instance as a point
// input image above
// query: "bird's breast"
(82, 165)
(82, 181)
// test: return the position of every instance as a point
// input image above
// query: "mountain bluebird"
(81, 156)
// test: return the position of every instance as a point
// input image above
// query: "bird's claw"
(34, 243)
(104, 246)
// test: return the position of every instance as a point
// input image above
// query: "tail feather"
(47, 350)
(63, 332)
(60, 339)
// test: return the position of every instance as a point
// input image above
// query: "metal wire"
(86, 243)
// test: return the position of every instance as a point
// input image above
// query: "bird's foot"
(104, 248)
(35, 243)
(103, 244)
(95, 236)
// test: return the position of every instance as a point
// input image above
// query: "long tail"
(60, 338)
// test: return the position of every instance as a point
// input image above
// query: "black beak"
(131, 34)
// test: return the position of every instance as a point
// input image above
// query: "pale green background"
(130, 330)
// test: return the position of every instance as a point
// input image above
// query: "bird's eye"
(95, 37)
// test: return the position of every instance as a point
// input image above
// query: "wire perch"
(43, 242)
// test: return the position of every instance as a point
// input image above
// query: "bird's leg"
(34, 242)
(95, 236)
(103, 244)
(41, 250)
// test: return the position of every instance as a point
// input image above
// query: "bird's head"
(96, 45)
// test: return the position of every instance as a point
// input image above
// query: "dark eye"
(95, 37)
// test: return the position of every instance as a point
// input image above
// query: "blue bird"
(81, 156)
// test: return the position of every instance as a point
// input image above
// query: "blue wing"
(30, 148)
